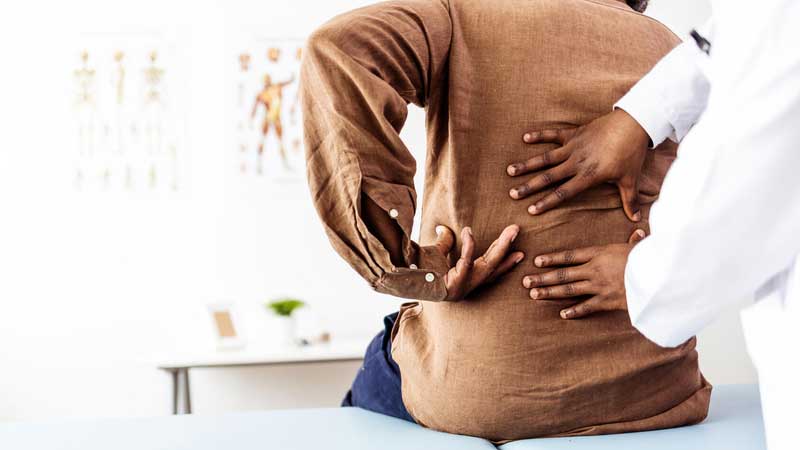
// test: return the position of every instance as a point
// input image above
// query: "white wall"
(95, 287)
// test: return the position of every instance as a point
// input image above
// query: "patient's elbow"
(322, 38)
(335, 35)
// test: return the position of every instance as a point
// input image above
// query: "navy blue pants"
(377, 384)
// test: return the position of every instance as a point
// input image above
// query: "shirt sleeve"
(668, 101)
(359, 73)
(727, 217)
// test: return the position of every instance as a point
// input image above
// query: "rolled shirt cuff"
(416, 284)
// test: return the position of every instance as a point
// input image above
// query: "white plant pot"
(285, 330)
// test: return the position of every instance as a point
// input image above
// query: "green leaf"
(285, 306)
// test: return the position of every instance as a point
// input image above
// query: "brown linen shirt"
(497, 365)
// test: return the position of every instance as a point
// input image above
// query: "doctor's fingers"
(541, 180)
(562, 291)
(591, 306)
(567, 258)
(559, 276)
(562, 193)
(629, 194)
(550, 136)
(637, 236)
(538, 162)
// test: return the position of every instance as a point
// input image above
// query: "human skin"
(464, 275)
(610, 149)
(597, 272)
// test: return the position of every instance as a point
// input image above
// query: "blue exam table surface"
(734, 423)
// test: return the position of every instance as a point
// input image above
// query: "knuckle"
(561, 193)
(561, 274)
(569, 257)
(547, 178)
(546, 158)
(569, 290)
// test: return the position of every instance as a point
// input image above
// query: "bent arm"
(669, 100)
(728, 216)
(359, 73)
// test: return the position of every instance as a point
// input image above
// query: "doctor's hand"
(596, 272)
(468, 273)
(611, 148)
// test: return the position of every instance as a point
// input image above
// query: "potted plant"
(283, 309)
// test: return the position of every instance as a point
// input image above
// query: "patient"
(470, 356)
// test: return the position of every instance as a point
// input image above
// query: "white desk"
(178, 367)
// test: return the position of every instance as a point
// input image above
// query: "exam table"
(734, 423)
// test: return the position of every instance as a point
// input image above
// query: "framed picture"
(226, 326)
(267, 133)
(129, 104)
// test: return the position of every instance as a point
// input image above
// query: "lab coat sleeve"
(728, 216)
(668, 100)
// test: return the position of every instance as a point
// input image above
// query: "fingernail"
(514, 237)
(637, 216)
(439, 230)
(640, 233)
(526, 137)
(538, 261)
(526, 282)
(513, 193)
(532, 209)
(469, 230)
(534, 294)
(511, 170)
(519, 258)
(566, 313)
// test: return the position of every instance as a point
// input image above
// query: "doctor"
(727, 223)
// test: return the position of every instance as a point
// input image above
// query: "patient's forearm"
(384, 228)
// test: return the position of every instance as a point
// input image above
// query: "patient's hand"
(468, 273)
(598, 272)
(610, 149)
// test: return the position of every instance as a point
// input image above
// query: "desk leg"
(187, 395)
(174, 374)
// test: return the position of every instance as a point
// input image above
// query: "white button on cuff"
(413, 266)
(393, 213)
(429, 277)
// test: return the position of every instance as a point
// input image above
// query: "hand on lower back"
(468, 272)
(595, 273)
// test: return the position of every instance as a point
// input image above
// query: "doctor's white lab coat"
(727, 223)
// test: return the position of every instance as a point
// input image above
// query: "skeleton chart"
(129, 127)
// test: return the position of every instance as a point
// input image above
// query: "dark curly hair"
(638, 5)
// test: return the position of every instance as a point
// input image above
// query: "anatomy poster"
(128, 128)
(267, 131)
